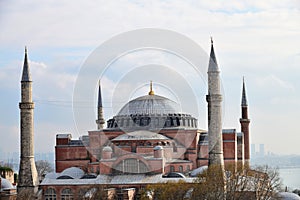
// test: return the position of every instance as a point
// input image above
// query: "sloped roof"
(115, 180)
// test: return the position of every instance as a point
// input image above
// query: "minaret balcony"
(26, 105)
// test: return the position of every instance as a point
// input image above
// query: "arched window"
(66, 194)
(177, 121)
(131, 165)
(174, 147)
(50, 194)
(180, 168)
(172, 168)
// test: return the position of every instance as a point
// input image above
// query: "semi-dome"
(107, 149)
(158, 147)
(140, 135)
(150, 105)
(5, 184)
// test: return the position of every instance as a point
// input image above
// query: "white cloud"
(252, 38)
(272, 81)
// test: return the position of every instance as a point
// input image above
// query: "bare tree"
(260, 183)
(43, 167)
(96, 192)
(167, 191)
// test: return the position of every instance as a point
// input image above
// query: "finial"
(151, 92)
(25, 49)
(211, 40)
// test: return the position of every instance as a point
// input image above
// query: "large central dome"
(151, 112)
(150, 105)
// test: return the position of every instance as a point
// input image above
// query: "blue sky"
(255, 39)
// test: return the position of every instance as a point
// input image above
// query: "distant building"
(261, 150)
(147, 140)
(253, 150)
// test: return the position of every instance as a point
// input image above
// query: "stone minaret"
(100, 120)
(214, 100)
(245, 125)
(28, 177)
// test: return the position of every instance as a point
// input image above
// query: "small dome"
(158, 148)
(52, 175)
(198, 171)
(288, 196)
(150, 105)
(5, 184)
(107, 149)
(140, 135)
(71, 173)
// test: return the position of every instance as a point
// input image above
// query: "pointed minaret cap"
(213, 65)
(26, 76)
(99, 96)
(151, 92)
(244, 98)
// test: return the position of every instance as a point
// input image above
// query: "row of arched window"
(180, 168)
(66, 194)
(141, 121)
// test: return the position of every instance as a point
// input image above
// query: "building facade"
(149, 139)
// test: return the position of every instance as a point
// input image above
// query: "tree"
(260, 183)
(96, 192)
(26, 194)
(210, 184)
(43, 167)
(167, 191)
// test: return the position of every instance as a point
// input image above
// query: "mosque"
(149, 140)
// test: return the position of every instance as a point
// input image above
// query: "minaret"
(100, 120)
(214, 100)
(28, 177)
(245, 125)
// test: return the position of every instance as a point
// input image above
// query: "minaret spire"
(28, 177)
(26, 76)
(244, 121)
(100, 120)
(213, 65)
(244, 97)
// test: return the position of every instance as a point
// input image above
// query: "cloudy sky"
(256, 39)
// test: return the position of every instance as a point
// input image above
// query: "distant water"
(290, 177)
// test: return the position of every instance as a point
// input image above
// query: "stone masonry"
(28, 178)
(214, 99)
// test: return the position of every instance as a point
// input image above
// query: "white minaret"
(214, 100)
(28, 177)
